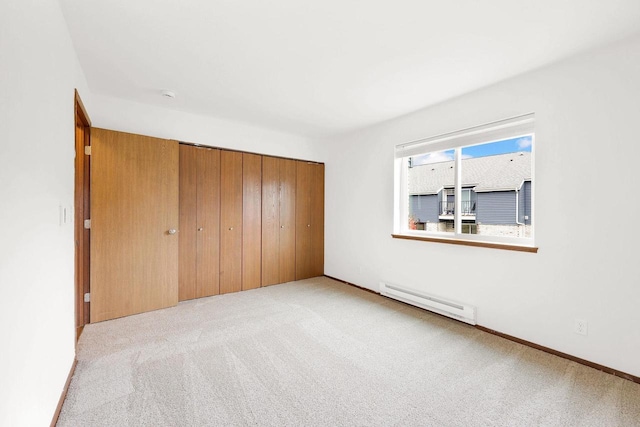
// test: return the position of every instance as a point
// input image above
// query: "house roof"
(501, 172)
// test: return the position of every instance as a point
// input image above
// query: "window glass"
(481, 191)
(431, 188)
(500, 173)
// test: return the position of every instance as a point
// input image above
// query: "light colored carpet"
(319, 352)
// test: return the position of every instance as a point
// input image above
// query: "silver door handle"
(172, 231)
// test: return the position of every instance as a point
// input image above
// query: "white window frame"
(519, 126)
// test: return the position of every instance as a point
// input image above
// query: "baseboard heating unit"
(455, 310)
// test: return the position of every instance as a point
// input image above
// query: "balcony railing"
(468, 207)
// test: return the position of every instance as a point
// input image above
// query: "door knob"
(172, 231)
(308, 225)
(200, 229)
(282, 226)
(230, 228)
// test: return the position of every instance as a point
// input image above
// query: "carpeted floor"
(319, 352)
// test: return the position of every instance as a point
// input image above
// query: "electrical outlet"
(581, 327)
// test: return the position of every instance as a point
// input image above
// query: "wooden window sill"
(468, 243)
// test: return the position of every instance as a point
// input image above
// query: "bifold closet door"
(309, 220)
(208, 229)
(287, 259)
(270, 220)
(230, 221)
(317, 220)
(199, 222)
(188, 237)
(251, 221)
(278, 220)
(134, 222)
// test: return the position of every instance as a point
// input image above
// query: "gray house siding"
(524, 203)
(527, 202)
(424, 208)
(496, 208)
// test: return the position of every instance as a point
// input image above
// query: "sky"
(499, 147)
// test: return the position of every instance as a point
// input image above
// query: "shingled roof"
(501, 172)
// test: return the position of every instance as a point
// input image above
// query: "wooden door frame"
(82, 138)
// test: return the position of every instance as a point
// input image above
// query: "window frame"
(519, 126)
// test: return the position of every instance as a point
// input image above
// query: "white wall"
(39, 72)
(128, 116)
(587, 160)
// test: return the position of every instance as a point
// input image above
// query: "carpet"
(321, 353)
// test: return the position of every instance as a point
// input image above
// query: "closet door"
(270, 221)
(251, 221)
(316, 216)
(309, 220)
(278, 220)
(208, 223)
(287, 244)
(230, 221)
(199, 258)
(187, 258)
(303, 221)
(134, 206)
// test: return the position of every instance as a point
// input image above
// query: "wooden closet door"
(309, 220)
(230, 221)
(287, 244)
(187, 257)
(303, 221)
(208, 223)
(134, 206)
(251, 221)
(199, 255)
(316, 215)
(270, 221)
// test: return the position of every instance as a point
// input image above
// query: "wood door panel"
(287, 244)
(316, 214)
(251, 221)
(303, 221)
(309, 220)
(270, 221)
(208, 227)
(134, 202)
(230, 221)
(187, 278)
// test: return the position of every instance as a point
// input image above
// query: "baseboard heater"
(462, 312)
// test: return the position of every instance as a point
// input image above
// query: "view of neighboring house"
(495, 199)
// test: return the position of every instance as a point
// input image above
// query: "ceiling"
(322, 67)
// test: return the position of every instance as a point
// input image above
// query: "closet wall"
(172, 222)
(247, 221)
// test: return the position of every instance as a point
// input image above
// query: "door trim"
(82, 132)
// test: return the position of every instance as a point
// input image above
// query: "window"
(473, 185)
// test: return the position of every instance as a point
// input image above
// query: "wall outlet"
(581, 327)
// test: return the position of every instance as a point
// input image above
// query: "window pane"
(497, 177)
(431, 192)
